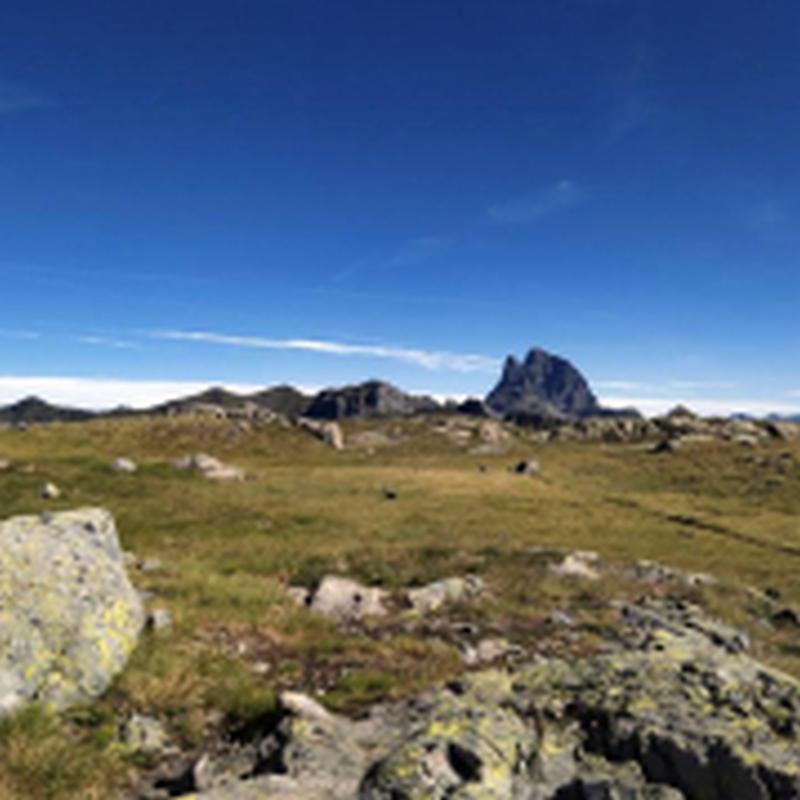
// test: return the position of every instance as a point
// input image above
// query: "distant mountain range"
(541, 390)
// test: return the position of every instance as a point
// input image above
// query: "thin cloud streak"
(15, 98)
(13, 334)
(434, 360)
(562, 195)
(104, 341)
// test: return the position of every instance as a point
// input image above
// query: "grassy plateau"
(224, 553)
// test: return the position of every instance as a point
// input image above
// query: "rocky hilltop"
(370, 399)
(542, 388)
(34, 410)
(284, 400)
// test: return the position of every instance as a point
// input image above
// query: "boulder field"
(676, 709)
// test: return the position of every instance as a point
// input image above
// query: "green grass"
(229, 550)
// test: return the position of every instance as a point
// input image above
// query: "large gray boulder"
(69, 616)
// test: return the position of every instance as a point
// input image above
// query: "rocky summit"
(675, 710)
(542, 388)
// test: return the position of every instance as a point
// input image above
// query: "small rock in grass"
(143, 734)
(427, 599)
(50, 491)
(530, 466)
(124, 465)
(344, 599)
(159, 619)
(488, 650)
(149, 565)
(579, 564)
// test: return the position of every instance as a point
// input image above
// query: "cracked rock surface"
(678, 710)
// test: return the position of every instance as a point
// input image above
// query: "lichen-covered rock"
(431, 597)
(69, 616)
(346, 600)
(678, 711)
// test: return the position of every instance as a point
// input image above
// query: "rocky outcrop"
(370, 399)
(69, 616)
(677, 711)
(542, 389)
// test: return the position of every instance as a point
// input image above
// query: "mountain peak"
(544, 386)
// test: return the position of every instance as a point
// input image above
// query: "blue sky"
(320, 191)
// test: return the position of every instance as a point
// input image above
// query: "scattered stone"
(5, 465)
(125, 465)
(787, 617)
(159, 619)
(143, 734)
(345, 600)
(579, 564)
(389, 494)
(211, 468)
(489, 650)
(50, 491)
(149, 565)
(528, 467)
(69, 616)
(226, 472)
(668, 445)
(561, 618)
(328, 432)
(492, 432)
(430, 598)
(653, 572)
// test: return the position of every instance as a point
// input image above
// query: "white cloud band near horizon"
(97, 394)
(434, 360)
(107, 393)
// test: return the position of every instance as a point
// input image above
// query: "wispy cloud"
(14, 98)
(412, 253)
(624, 386)
(701, 385)
(530, 208)
(105, 341)
(438, 360)
(19, 334)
